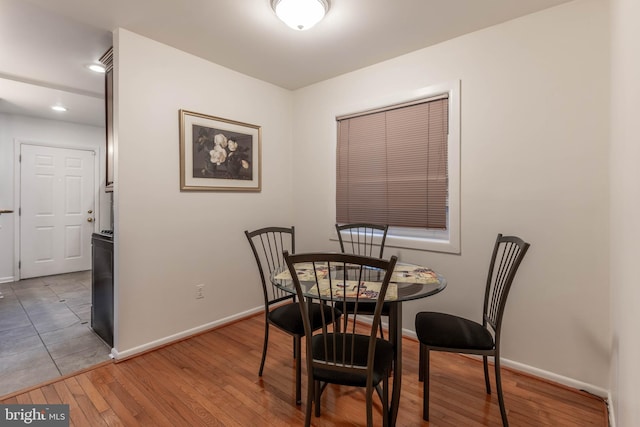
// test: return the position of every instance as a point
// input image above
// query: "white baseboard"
(560, 379)
(6, 279)
(117, 355)
(612, 417)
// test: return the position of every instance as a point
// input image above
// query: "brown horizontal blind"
(392, 166)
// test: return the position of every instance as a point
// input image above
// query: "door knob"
(89, 219)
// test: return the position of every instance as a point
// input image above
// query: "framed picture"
(218, 154)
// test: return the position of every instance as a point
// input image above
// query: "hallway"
(45, 330)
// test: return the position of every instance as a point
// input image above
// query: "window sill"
(430, 244)
(423, 244)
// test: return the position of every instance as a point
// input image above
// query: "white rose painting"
(221, 154)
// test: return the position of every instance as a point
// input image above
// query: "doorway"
(45, 322)
(57, 209)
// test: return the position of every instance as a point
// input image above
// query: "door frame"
(17, 169)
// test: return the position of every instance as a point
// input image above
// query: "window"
(399, 165)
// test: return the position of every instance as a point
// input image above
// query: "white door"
(57, 210)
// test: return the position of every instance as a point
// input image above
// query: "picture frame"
(219, 154)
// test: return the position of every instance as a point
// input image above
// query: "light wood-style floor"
(212, 379)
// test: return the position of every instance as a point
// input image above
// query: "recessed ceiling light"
(98, 68)
(58, 108)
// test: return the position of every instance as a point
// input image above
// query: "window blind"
(392, 166)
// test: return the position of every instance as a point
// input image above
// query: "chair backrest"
(329, 277)
(361, 238)
(268, 245)
(508, 253)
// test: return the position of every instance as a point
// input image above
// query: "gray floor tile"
(81, 275)
(13, 348)
(6, 290)
(92, 355)
(34, 367)
(61, 289)
(28, 294)
(65, 278)
(67, 334)
(34, 308)
(47, 322)
(83, 312)
(76, 298)
(28, 283)
(10, 303)
(86, 282)
(45, 330)
(77, 345)
(23, 331)
(36, 297)
(12, 319)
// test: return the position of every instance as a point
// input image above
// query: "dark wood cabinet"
(102, 286)
(107, 61)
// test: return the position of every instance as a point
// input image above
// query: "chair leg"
(316, 396)
(486, 374)
(264, 346)
(298, 362)
(310, 399)
(503, 410)
(425, 385)
(421, 363)
(386, 413)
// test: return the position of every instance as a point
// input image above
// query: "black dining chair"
(364, 239)
(446, 332)
(280, 308)
(351, 355)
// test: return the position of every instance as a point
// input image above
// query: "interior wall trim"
(119, 356)
(541, 373)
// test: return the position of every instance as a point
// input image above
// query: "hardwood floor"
(211, 379)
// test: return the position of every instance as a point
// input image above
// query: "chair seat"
(288, 317)
(446, 330)
(383, 358)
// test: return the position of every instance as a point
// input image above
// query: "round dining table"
(409, 282)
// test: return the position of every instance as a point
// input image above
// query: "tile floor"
(45, 330)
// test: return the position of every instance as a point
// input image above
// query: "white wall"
(168, 241)
(534, 143)
(6, 201)
(535, 129)
(48, 132)
(625, 211)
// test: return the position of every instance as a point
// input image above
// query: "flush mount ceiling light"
(300, 14)
(58, 108)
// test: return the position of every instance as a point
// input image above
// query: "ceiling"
(45, 44)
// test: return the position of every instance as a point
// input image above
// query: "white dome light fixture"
(300, 14)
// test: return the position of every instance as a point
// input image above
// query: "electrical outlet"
(200, 291)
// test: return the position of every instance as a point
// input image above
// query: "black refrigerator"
(102, 285)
